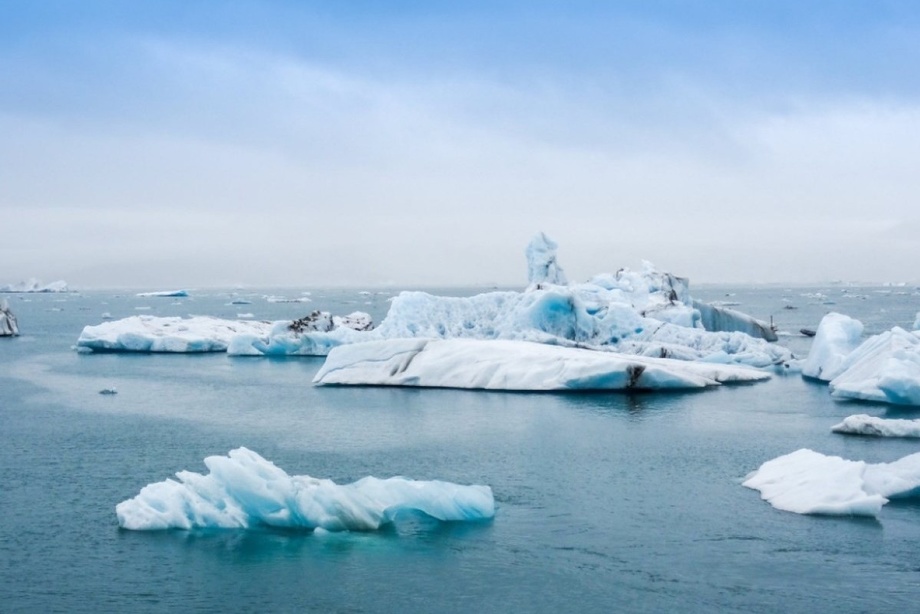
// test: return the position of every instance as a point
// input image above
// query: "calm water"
(606, 502)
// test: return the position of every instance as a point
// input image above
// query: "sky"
(199, 143)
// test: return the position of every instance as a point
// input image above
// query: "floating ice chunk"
(916, 325)
(837, 336)
(863, 424)
(807, 482)
(168, 334)
(8, 325)
(164, 293)
(312, 335)
(542, 266)
(243, 490)
(884, 368)
(515, 365)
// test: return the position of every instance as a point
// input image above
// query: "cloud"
(278, 168)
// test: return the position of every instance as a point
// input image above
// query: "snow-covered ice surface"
(883, 368)
(243, 490)
(808, 482)
(34, 285)
(863, 424)
(9, 327)
(515, 365)
(166, 334)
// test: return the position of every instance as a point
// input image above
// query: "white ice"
(883, 368)
(542, 267)
(808, 482)
(863, 424)
(34, 285)
(8, 325)
(243, 490)
(837, 336)
(515, 365)
(166, 334)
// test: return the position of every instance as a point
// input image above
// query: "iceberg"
(34, 285)
(244, 490)
(146, 333)
(515, 365)
(166, 334)
(883, 368)
(164, 293)
(836, 338)
(8, 325)
(808, 482)
(646, 313)
(863, 424)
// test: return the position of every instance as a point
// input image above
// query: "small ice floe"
(243, 491)
(240, 301)
(106, 316)
(871, 426)
(244, 315)
(108, 391)
(165, 293)
(808, 482)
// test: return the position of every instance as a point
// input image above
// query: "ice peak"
(542, 266)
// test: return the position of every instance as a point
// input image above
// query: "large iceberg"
(871, 426)
(883, 368)
(34, 285)
(646, 313)
(808, 482)
(515, 365)
(8, 325)
(243, 490)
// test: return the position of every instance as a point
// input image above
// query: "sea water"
(605, 502)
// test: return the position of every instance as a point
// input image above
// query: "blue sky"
(308, 143)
